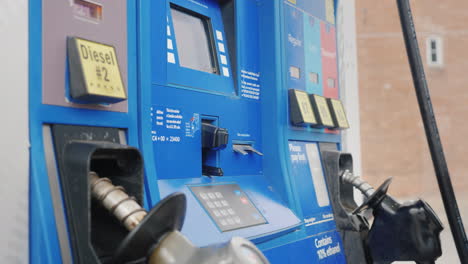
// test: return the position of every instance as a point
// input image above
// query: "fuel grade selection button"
(320, 106)
(338, 113)
(94, 72)
(300, 108)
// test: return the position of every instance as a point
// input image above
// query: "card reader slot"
(214, 139)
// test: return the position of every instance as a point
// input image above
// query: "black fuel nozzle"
(408, 231)
(145, 228)
(154, 235)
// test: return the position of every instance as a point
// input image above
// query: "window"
(434, 51)
(195, 44)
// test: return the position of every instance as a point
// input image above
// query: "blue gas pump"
(221, 73)
(190, 85)
(192, 131)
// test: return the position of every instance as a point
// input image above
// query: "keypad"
(228, 206)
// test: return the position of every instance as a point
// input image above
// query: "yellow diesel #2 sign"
(94, 72)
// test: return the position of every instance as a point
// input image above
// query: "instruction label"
(172, 125)
(250, 84)
(328, 247)
(167, 124)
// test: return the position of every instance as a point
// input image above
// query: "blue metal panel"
(191, 104)
(170, 119)
(294, 43)
(303, 51)
(313, 58)
(274, 105)
(280, 187)
(316, 8)
(150, 34)
(297, 42)
(248, 45)
(181, 143)
(44, 246)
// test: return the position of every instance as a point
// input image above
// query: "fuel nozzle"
(373, 197)
(145, 228)
(356, 181)
(154, 236)
(175, 248)
(408, 231)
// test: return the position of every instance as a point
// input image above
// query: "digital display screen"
(194, 40)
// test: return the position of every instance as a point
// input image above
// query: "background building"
(392, 135)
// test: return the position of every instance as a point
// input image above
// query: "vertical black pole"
(432, 133)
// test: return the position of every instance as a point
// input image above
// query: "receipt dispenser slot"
(245, 149)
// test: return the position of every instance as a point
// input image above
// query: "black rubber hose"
(432, 133)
